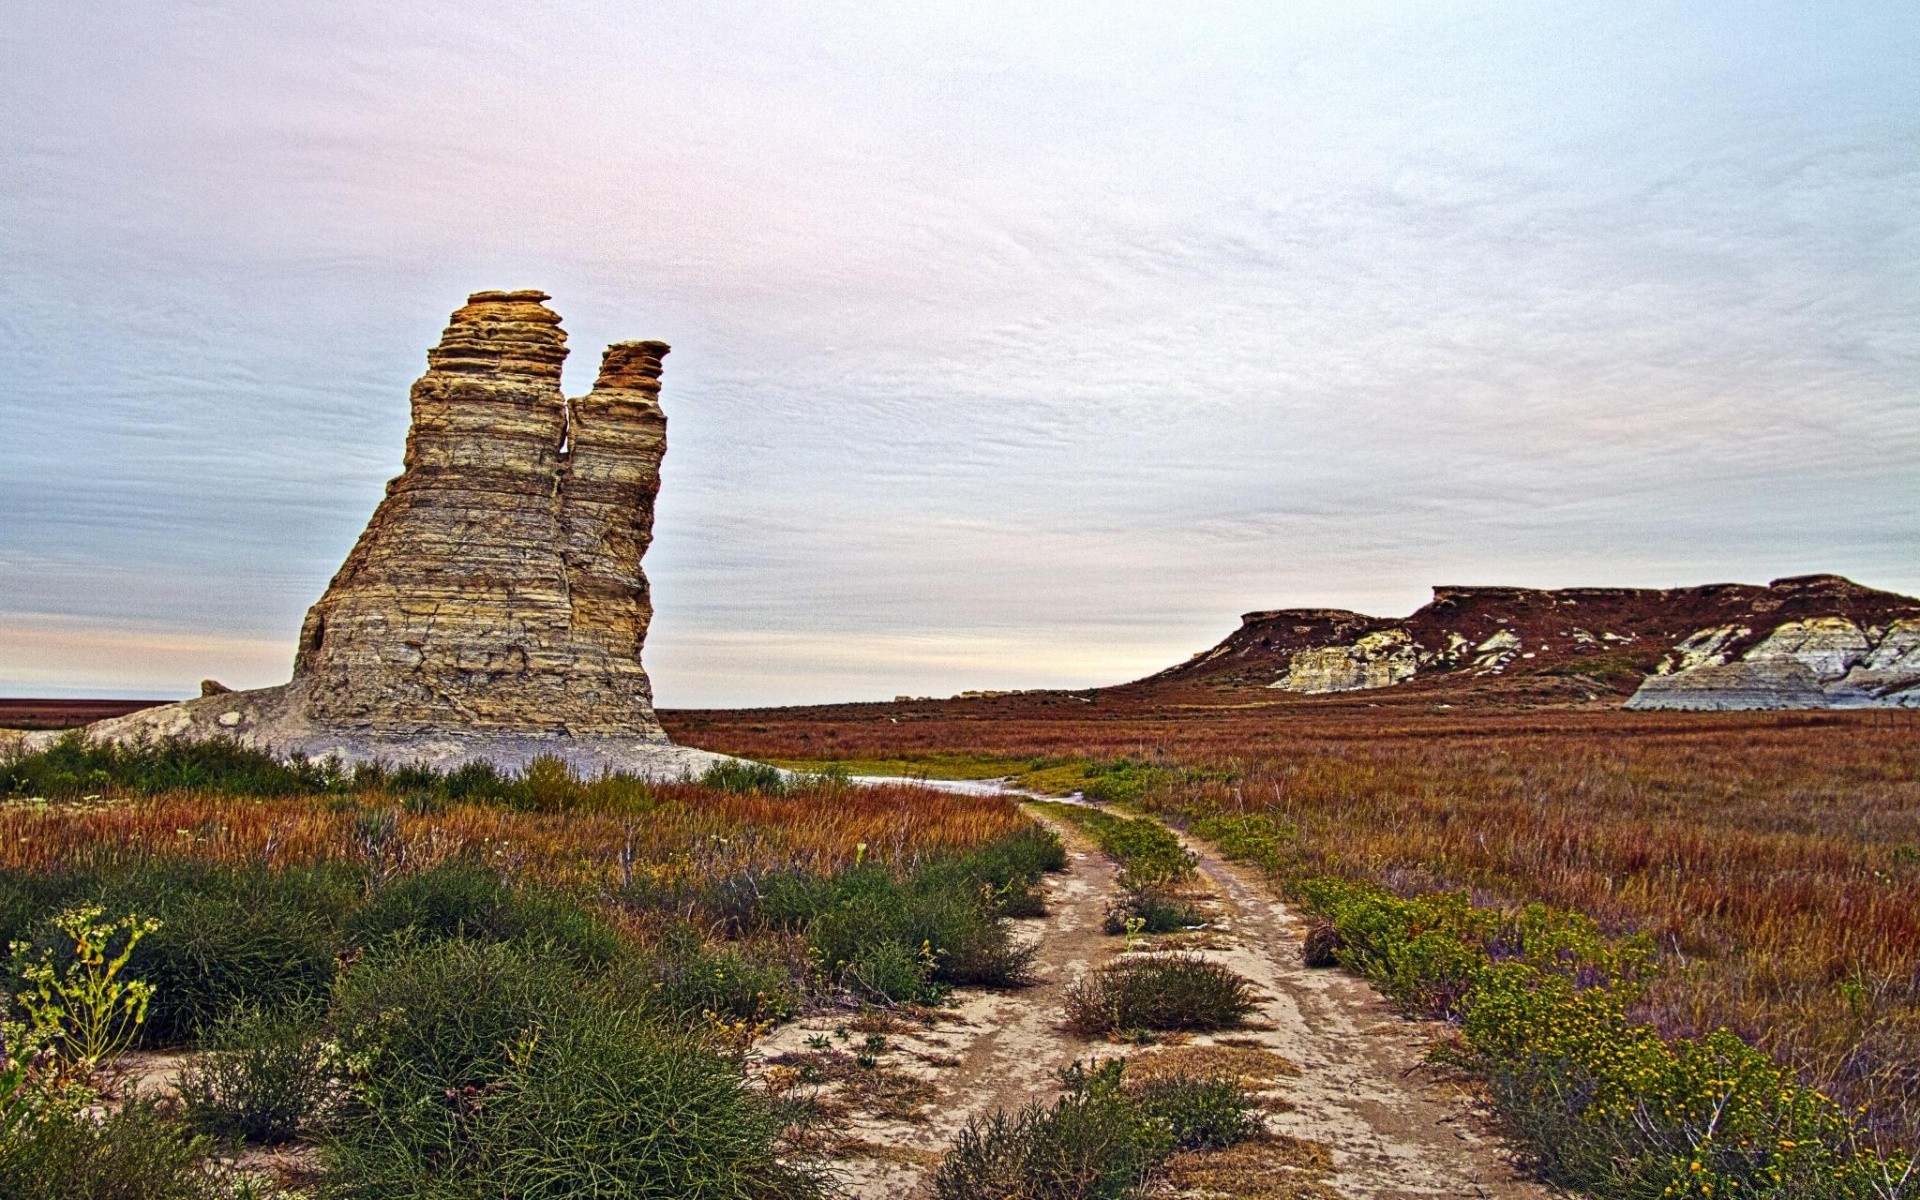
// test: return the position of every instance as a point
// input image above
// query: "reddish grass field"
(671, 830)
(1775, 857)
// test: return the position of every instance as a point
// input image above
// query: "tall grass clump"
(493, 1069)
(263, 1076)
(887, 938)
(1102, 1140)
(1159, 992)
(739, 775)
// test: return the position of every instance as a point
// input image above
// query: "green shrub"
(690, 977)
(75, 765)
(1091, 1144)
(444, 1014)
(1155, 910)
(606, 1102)
(230, 936)
(739, 775)
(890, 940)
(263, 1076)
(30, 896)
(1158, 992)
(1200, 1114)
(463, 899)
(483, 1070)
(1012, 866)
(61, 1153)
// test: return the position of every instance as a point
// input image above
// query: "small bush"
(461, 899)
(491, 1070)
(263, 1077)
(1155, 910)
(444, 1014)
(230, 936)
(1158, 992)
(690, 978)
(739, 775)
(1094, 1143)
(60, 1153)
(1322, 945)
(890, 940)
(1201, 1114)
(1100, 1141)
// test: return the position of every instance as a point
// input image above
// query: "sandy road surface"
(1359, 1097)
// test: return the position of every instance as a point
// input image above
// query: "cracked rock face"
(494, 608)
(498, 586)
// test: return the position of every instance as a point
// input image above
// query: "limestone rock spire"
(498, 587)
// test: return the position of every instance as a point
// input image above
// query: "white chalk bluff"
(494, 608)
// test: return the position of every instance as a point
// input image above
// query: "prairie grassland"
(668, 830)
(557, 947)
(1775, 858)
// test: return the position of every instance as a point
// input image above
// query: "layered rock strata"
(1825, 662)
(494, 608)
(1811, 641)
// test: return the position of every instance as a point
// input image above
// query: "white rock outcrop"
(1820, 662)
(1374, 660)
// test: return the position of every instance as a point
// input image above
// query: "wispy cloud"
(1064, 331)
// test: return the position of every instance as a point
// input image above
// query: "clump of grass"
(1151, 910)
(264, 1076)
(896, 940)
(496, 1069)
(466, 900)
(1200, 1113)
(739, 775)
(59, 1151)
(1102, 1140)
(228, 936)
(692, 978)
(1159, 992)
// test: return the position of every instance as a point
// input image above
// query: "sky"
(1015, 345)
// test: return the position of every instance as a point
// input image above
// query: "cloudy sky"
(1014, 345)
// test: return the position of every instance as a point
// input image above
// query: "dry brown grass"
(1252, 1067)
(1272, 1166)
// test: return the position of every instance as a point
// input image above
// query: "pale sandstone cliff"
(494, 608)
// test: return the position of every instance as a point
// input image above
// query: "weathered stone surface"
(494, 607)
(1374, 660)
(1823, 662)
(498, 586)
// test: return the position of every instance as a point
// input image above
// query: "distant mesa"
(1810, 641)
(494, 608)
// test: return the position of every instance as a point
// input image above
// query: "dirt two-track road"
(1352, 1111)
